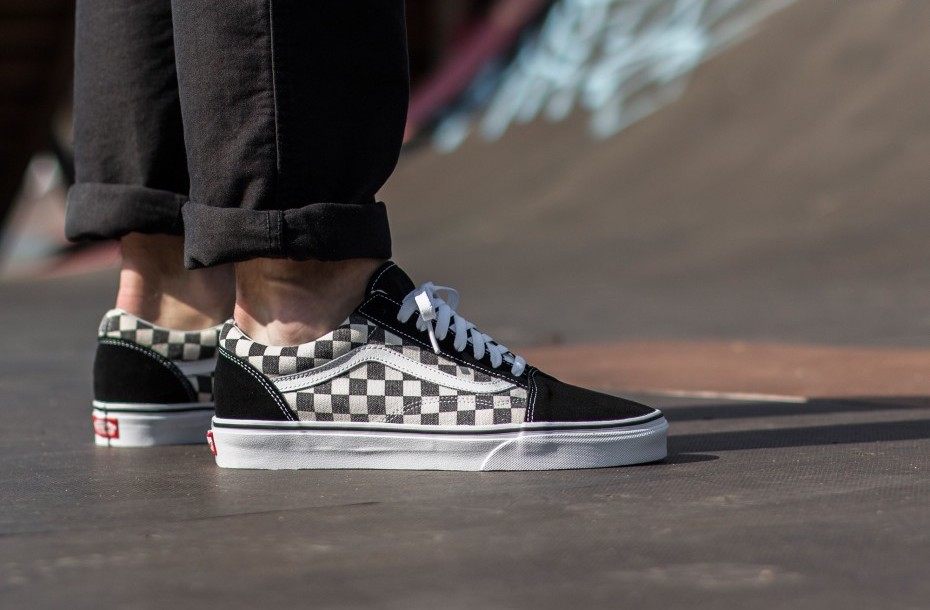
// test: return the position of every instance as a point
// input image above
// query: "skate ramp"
(783, 196)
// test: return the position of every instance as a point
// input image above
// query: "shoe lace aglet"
(428, 315)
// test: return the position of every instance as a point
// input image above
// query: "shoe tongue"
(391, 280)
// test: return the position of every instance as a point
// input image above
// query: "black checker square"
(377, 405)
(484, 401)
(502, 416)
(358, 387)
(341, 404)
(304, 363)
(451, 369)
(376, 370)
(304, 401)
(270, 365)
(323, 349)
(429, 358)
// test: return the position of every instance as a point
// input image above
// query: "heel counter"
(126, 372)
(242, 392)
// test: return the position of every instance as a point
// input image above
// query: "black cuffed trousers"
(255, 128)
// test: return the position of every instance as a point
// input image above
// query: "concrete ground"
(819, 504)
(751, 259)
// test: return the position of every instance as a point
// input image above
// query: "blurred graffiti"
(617, 60)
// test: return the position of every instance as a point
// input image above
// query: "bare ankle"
(155, 286)
(286, 302)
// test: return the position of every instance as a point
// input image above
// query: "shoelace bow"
(433, 308)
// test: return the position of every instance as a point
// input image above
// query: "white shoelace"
(433, 308)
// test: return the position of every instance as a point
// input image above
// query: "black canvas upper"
(240, 392)
(550, 400)
(127, 372)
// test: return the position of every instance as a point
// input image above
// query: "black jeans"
(255, 128)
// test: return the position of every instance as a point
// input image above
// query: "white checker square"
(392, 339)
(501, 401)
(191, 351)
(466, 403)
(144, 336)
(412, 387)
(322, 403)
(291, 399)
(393, 374)
(128, 323)
(287, 364)
(376, 387)
(359, 372)
(358, 405)
(340, 386)
(428, 405)
(359, 333)
(484, 417)
(394, 405)
(411, 352)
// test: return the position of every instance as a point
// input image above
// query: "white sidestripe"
(395, 360)
(196, 367)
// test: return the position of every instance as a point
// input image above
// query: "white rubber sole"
(146, 425)
(318, 445)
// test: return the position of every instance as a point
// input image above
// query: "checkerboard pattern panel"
(375, 393)
(177, 345)
(172, 344)
(275, 360)
(355, 332)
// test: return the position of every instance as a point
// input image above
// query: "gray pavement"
(762, 505)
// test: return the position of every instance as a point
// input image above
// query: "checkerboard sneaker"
(152, 385)
(405, 382)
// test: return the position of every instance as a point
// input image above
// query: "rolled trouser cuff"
(320, 231)
(110, 211)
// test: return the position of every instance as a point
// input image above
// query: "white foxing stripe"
(390, 358)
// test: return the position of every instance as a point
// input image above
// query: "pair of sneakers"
(403, 383)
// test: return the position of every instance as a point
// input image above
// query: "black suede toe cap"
(554, 401)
